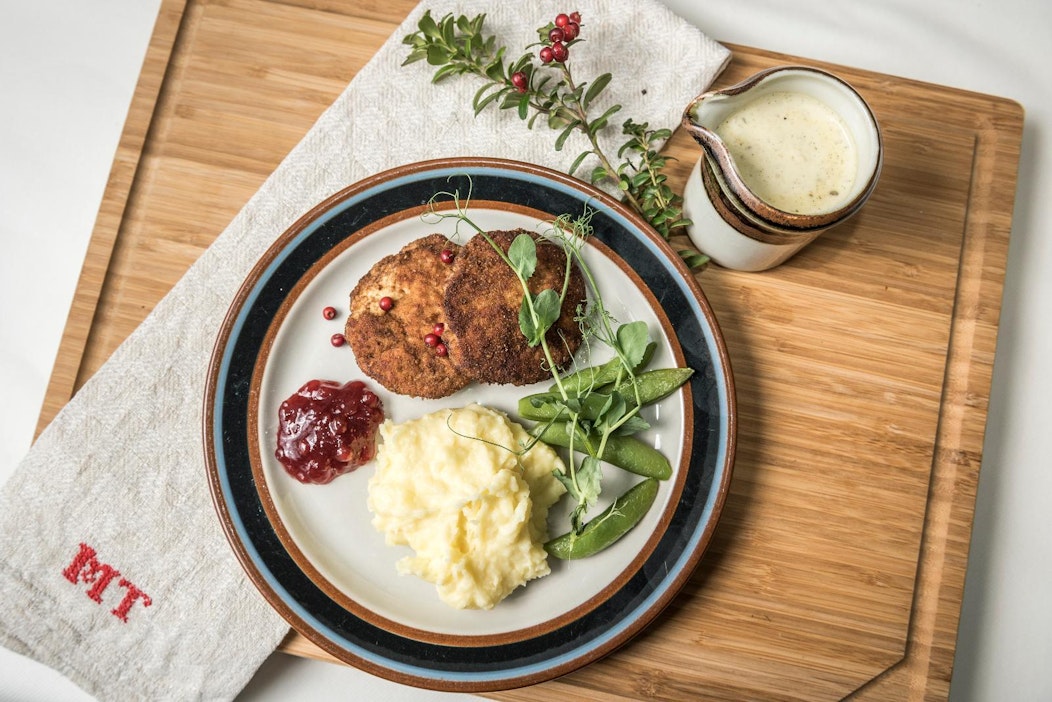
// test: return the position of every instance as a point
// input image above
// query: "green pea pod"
(626, 452)
(609, 525)
(596, 376)
(655, 385)
(651, 386)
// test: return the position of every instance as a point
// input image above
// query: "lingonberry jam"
(327, 429)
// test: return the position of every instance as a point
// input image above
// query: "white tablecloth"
(70, 68)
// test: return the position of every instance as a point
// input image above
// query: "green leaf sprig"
(457, 45)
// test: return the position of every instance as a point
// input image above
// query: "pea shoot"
(592, 412)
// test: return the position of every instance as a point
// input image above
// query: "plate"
(311, 550)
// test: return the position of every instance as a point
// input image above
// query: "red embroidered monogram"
(85, 567)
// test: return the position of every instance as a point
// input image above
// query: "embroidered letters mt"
(85, 567)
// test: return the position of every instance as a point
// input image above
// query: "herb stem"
(593, 139)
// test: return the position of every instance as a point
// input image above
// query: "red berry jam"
(327, 429)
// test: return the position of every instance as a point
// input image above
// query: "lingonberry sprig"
(457, 45)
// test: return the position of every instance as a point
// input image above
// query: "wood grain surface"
(862, 366)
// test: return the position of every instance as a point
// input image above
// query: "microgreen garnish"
(593, 411)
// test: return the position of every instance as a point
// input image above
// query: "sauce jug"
(787, 154)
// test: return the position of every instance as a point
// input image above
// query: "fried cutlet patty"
(389, 345)
(482, 302)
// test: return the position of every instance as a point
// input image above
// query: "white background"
(67, 72)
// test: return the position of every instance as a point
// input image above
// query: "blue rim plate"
(309, 549)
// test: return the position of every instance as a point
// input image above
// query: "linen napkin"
(114, 569)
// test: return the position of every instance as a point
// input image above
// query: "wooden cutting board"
(862, 366)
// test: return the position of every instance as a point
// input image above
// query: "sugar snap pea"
(625, 452)
(650, 386)
(609, 525)
(596, 376)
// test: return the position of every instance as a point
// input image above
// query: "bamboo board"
(862, 366)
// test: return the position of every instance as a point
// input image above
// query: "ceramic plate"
(311, 549)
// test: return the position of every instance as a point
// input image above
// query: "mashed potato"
(474, 513)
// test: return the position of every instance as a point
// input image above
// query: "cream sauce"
(793, 151)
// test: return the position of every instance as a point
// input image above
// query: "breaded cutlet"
(389, 345)
(482, 301)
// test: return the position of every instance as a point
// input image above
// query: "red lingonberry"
(386, 303)
(518, 79)
(438, 329)
(447, 255)
(546, 54)
(329, 313)
(571, 31)
(575, 17)
(338, 340)
(556, 35)
(431, 340)
(559, 51)
(561, 19)
(441, 349)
